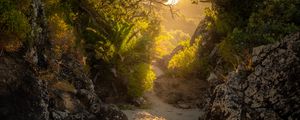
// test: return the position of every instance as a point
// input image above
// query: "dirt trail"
(160, 110)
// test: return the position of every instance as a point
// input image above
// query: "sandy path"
(160, 110)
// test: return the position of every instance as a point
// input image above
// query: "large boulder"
(270, 91)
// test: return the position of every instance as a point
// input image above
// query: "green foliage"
(185, 63)
(61, 34)
(117, 28)
(227, 52)
(21, 5)
(137, 61)
(203, 67)
(235, 27)
(14, 22)
(242, 25)
(120, 35)
(140, 78)
(14, 25)
(167, 41)
(105, 50)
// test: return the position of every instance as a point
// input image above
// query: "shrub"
(14, 22)
(184, 62)
(14, 26)
(141, 79)
(52, 2)
(243, 25)
(104, 50)
(227, 53)
(167, 41)
(203, 67)
(61, 34)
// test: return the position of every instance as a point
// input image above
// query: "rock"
(183, 105)
(59, 115)
(139, 101)
(26, 96)
(258, 70)
(95, 108)
(108, 112)
(213, 80)
(256, 51)
(271, 91)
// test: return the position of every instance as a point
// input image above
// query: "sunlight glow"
(172, 2)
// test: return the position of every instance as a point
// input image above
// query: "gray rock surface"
(270, 91)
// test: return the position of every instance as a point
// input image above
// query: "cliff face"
(27, 94)
(34, 85)
(270, 91)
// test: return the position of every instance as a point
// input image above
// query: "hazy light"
(172, 2)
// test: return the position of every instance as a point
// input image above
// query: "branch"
(162, 3)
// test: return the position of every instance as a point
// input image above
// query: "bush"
(203, 68)
(185, 62)
(227, 53)
(140, 79)
(105, 50)
(243, 25)
(14, 22)
(61, 34)
(167, 41)
(14, 26)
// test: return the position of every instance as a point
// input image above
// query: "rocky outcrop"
(35, 85)
(27, 94)
(270, 91)
(22, 96)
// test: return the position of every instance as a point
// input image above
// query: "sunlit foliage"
(119, 35)
(163, 45)
(184, 63)
(141, 78)
(235, 27)
(167, 41)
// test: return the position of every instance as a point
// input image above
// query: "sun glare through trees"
(172, 2)
(149, 59)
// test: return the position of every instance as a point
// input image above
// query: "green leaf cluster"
(13, 21)
(141, 78)
(119, 34)
(242, 25)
